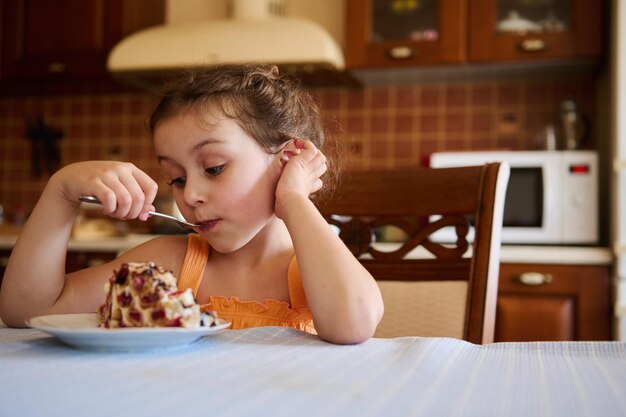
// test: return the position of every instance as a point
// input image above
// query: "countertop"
(574, 255)
(104, 244)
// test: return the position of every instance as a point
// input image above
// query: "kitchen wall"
(383, 126)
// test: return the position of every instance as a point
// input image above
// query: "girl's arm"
(344, 298)
(35, 279)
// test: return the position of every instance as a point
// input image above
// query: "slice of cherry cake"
(143, 294)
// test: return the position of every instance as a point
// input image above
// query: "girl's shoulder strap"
(296, 291)
(193, 265)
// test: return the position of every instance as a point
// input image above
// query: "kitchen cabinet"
(522, 30)
(543, 302)
(4, 260)
(74, 261)
(62, 45)
(78, 260)
(405, 33)
(383, 33)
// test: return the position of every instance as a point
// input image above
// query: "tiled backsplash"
(383, 127)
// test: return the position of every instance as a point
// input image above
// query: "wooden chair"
(430, 288)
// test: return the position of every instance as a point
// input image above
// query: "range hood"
(253, 34)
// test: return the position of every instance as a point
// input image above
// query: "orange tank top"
(244, 314)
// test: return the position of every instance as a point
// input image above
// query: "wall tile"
(429, 123)
(381, 127)
(403, 124)
(455, 96)
(429, 97)
(481, 95)
(406, 98)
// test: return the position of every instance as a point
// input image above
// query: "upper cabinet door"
(517, 30)
(398, 33)
(54, 37)
(54, 42)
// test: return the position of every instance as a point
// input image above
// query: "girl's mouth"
(207, 225)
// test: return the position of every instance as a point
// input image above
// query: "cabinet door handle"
(533, 45)
(534, 278)
(56, 67)
(95, 262)
(401, 52)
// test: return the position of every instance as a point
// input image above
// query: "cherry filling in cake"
(143, 294)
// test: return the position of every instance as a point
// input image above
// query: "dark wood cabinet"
(402, 34)
(538, 302)
(74, 261)
(4, 260)
(557, 29)
(62, 45)
(385, 33)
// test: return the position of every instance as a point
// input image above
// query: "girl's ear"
(291, 148)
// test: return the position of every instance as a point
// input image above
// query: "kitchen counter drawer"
(76, 261)
(543, 302)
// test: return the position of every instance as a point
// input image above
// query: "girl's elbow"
(11, 313)
(352, 332)
(11, 320)
(352, 336)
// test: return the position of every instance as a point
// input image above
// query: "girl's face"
(220, 177)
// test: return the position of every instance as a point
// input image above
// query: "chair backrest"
(457, 281)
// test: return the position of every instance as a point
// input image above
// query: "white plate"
(82, 331)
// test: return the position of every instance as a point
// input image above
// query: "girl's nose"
(193, 194)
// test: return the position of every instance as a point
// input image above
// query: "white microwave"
(551, 198)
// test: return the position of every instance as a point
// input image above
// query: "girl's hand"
(303, 167)
(125, 191)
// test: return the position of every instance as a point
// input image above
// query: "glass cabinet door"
(516, 30)
(533, 16)
(390, 33)
(413, 20)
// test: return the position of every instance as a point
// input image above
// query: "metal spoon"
(93, 200)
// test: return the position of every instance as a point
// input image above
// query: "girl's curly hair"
(271, 107)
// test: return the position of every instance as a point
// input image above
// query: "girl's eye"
(177, 182)
(215, 171)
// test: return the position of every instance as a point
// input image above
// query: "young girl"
(239, 146)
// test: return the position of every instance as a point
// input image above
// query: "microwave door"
(531, 213)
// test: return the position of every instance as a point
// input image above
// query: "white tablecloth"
(281, 372)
